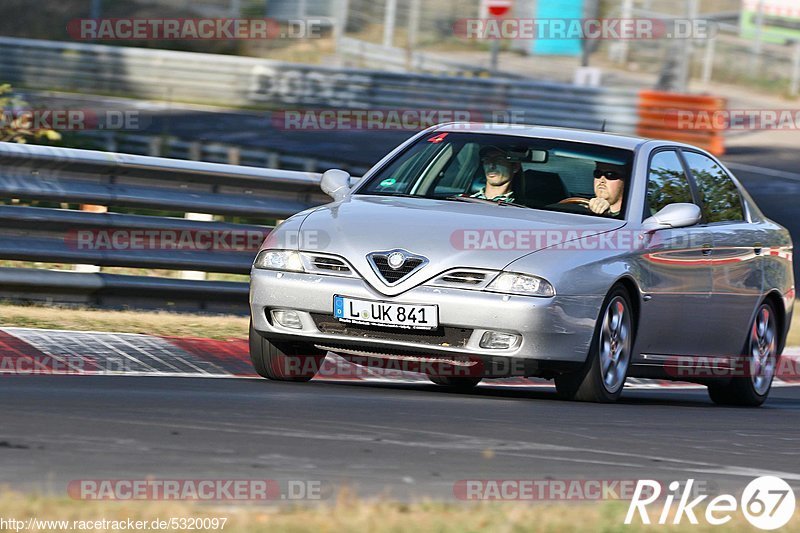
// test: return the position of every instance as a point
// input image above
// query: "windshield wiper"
(399, 194)
(473, 200)
(459, 198)
(514, 204)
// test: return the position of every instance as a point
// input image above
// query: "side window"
(721, 199)
(667, 182)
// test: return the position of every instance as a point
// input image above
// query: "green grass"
(351, 515)
(794, 333)
(151, 323)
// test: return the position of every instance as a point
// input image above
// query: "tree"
(17, 120)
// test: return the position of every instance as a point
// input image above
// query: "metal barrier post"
(93, 269)
(196, 274)
(794, 85)
(388, 22)
(708, 61)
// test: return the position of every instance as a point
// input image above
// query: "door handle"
(707, 248)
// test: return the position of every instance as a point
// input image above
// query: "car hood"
(449, 234)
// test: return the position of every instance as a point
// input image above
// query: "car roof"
(628, 142)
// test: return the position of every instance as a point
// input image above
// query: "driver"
(609, 186)
(499, 168)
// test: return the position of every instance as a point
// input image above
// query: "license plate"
(408, 316)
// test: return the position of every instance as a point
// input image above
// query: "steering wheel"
(584, 202)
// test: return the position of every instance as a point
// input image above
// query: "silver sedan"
(480, 251)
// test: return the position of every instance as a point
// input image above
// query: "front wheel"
(603, 375)
(284, 361)
(760, 364)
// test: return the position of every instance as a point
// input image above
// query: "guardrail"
(365, 54)
(242, 81)
(54, 176)
(215, 152)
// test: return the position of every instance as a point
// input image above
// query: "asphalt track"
(406, 440)
(191, 409)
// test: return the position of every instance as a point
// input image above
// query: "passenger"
(500, 169)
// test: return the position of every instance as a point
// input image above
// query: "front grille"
(442, 336)
(464, 277)
(391, 275)
(329, 263)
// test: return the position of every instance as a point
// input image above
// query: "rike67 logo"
(768, 503)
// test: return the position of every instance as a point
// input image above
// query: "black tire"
(588, 384)
(461, 384)
(284, 361)
(743, 391)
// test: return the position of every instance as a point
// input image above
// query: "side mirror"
(336, 184)
(673, 216)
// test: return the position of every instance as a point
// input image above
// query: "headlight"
(511, 283)
(279, 260)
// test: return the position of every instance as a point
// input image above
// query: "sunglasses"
(497, 160)
(609, 174)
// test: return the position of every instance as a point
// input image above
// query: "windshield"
(509, 170)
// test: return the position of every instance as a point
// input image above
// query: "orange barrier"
(692, 119)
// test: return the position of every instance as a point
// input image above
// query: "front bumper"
(551, 329)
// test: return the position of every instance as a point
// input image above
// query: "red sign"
(499, 8)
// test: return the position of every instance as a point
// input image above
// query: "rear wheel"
(463, 384)
(603, 375)
(760, 364)
(284, 361)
